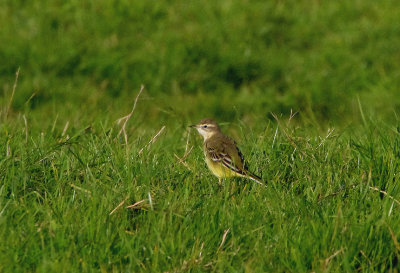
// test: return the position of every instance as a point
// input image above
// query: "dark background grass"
(197, 58)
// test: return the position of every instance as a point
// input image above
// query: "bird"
(222, 155)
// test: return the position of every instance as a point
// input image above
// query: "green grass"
(64, 168)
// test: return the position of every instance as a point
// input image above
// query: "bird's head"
(206, 128)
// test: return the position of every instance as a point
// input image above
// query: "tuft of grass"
(65, 202)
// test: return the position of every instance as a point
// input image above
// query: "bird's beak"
(193, 126)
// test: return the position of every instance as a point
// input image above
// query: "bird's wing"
(225, 151)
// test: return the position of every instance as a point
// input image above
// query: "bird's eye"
(204, 126)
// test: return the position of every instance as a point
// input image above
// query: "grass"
(67, 176)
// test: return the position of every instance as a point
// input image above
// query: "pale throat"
(206, 135)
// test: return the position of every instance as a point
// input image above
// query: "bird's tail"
(256, 178)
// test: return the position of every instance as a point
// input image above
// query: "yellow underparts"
(219, 170)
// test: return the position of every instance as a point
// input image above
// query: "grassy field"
(309, 90)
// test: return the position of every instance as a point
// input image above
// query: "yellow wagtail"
(222, 156)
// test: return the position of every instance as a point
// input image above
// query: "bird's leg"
(220, 181)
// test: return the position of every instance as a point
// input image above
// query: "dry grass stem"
(185, 155)
(153, 139)
(391, 209)
(5, 206)
(276, 133)
(394, 238)
(26, 128)
(126, 118)
(13, 92)
(289, 137)
(150, 201)
(31, 97)
(136, 205)
(223, 239)
(366, 257)
(65, 128)
(8, 149)
(182, 159)
(201, 249)
(187, 142)
(119, 205)
(330, 131)
(292, 115)
(327, 260)
(385, 193)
